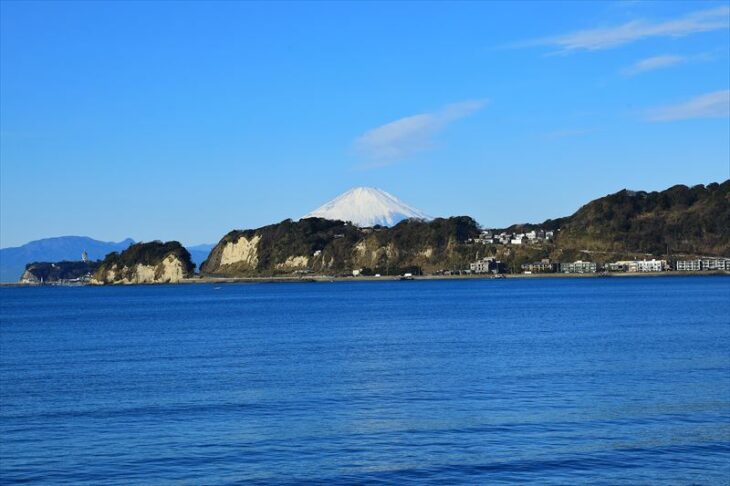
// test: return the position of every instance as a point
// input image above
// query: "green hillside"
(681, 220)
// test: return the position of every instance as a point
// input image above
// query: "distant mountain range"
(14, 259)
(367, 207)
(198, 253)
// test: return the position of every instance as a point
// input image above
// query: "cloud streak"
(652, 64)
(636, 30)
(407, 136)
(709, 105)
(664, 61)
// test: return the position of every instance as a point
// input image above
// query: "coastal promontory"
(58, 272)
(153, 262)
(333, 247)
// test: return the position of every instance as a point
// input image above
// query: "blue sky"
(186, 120)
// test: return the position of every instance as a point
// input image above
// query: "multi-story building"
(652, 265)
(487, 265)
(633, 266)
(543, 266)
(707, 263)
(688, 265)
(619, 266)
(716, 264)
(578, 266)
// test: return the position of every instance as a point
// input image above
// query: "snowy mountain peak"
(367, 206)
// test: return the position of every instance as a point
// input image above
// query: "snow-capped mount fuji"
(367, 206)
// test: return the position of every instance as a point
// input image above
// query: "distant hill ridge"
(681, 220)
(627, 224)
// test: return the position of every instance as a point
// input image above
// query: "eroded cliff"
(334, 247)
(154, 262)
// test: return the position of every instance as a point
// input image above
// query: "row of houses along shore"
(710, 264)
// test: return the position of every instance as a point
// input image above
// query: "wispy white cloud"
(710, 105)
(652, 64)
(406, 136)
(610, 37)
(665, 61)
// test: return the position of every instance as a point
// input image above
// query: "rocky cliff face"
(153, 262)
(329, 247)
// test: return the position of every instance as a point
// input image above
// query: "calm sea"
(564, 381)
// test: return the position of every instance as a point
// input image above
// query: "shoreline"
(198, 280)
(392, 278)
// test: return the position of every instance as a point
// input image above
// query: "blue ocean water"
(549, 381)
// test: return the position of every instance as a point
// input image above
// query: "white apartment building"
(716, 264)
(689, 265)
(652, 265)
(578, 267)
